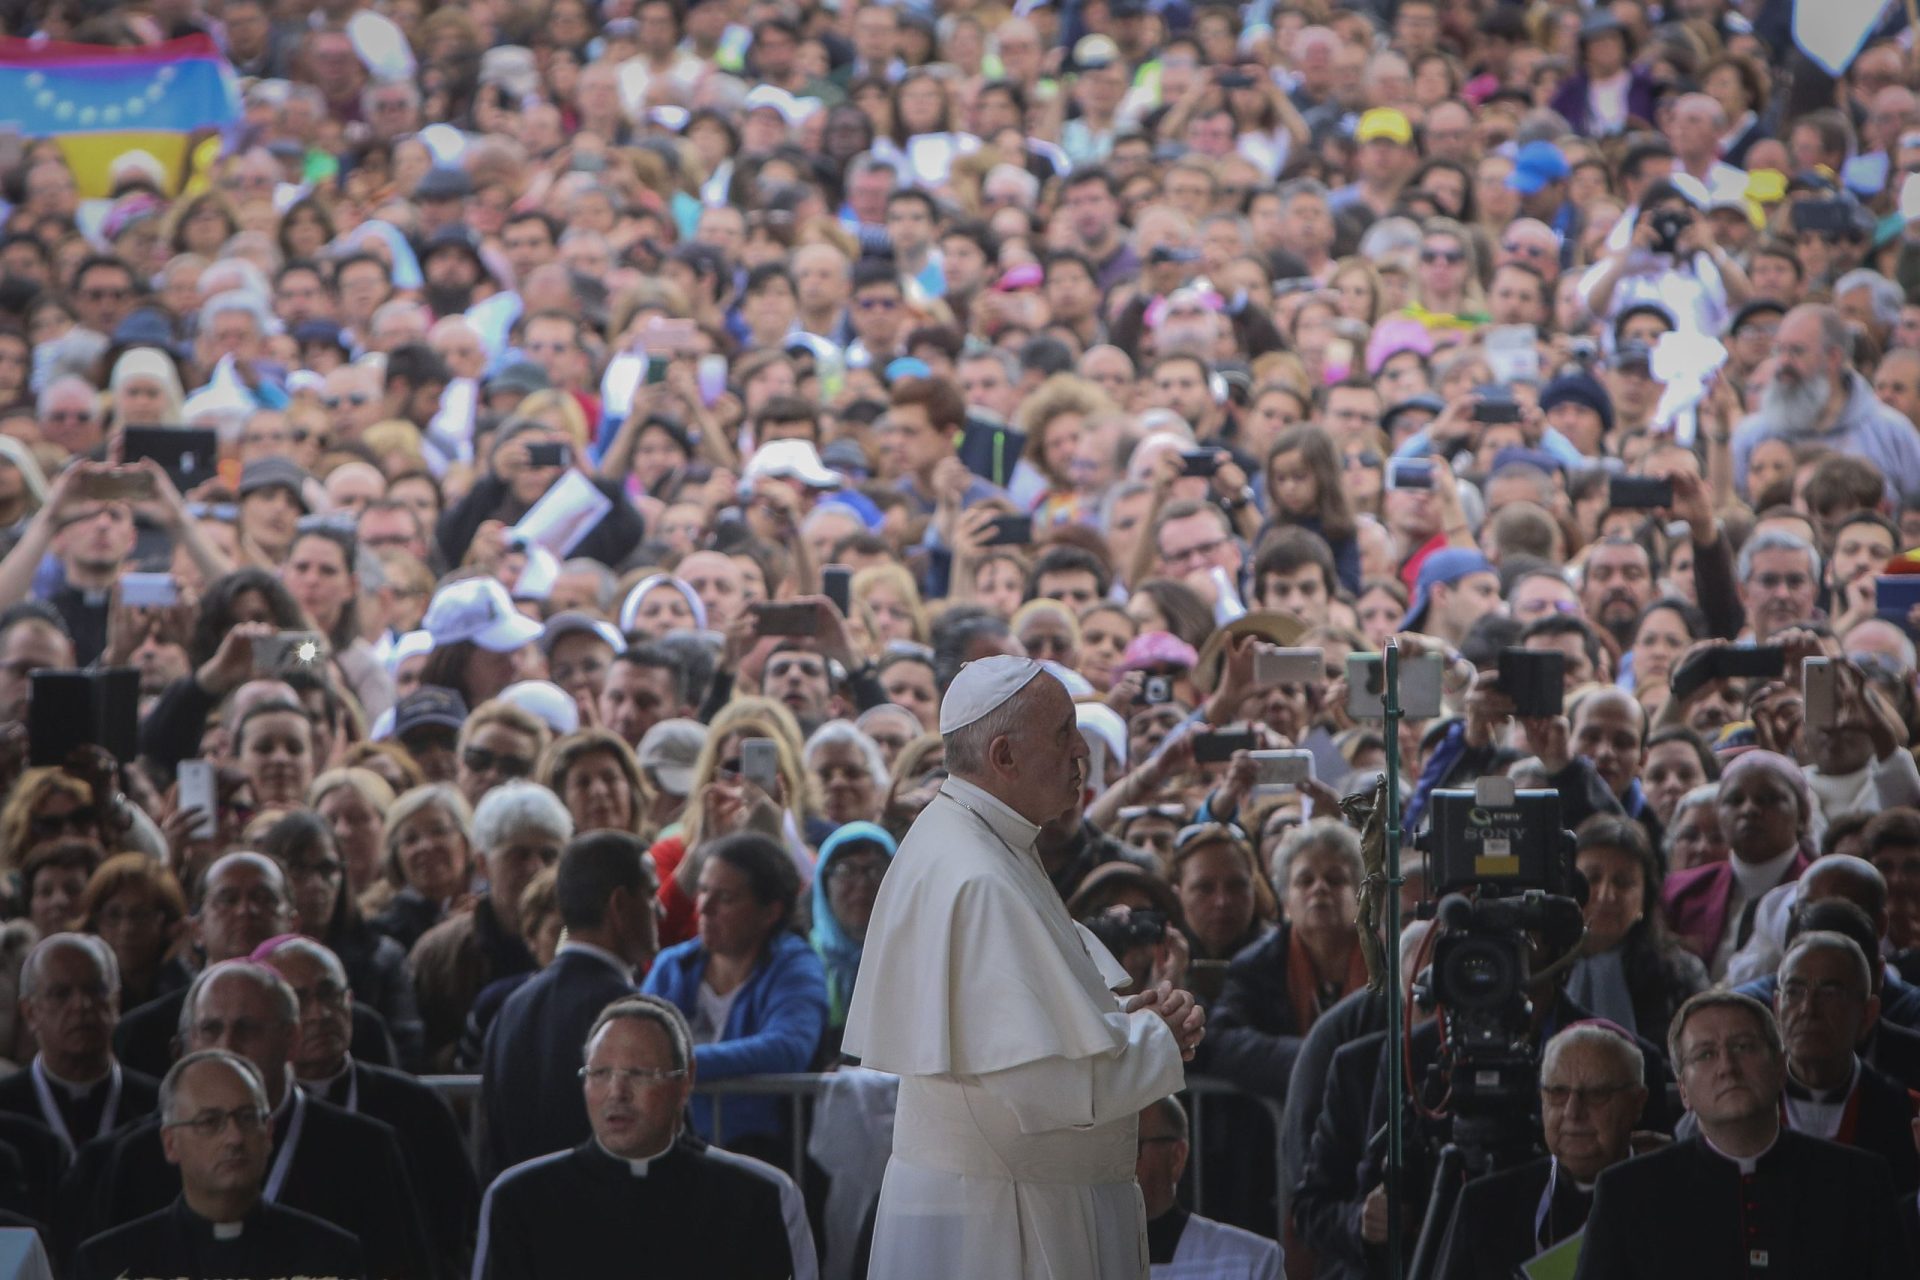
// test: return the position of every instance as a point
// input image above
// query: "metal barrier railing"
(463, 1093)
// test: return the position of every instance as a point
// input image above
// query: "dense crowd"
(544, 464)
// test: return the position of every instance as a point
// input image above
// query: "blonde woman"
(722, 801)
(1053, 418)
(890, 601)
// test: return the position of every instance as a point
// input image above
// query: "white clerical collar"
(601, 954)
(75, 1089)
(1747, 1163)
(996, 813)
(638, 1168)
(228, 1230)
(1827, 1097)
(1755, 878)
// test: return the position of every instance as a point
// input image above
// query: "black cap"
(1759, 306)
(429, 706)
(271, 473)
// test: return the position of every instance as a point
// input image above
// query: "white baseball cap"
(478, 610)
(545, 701)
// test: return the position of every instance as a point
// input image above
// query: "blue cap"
(858, 503)
(1579, 387)
(1536, 165)
(1448, 565)
(1514, 455)
(907, 367)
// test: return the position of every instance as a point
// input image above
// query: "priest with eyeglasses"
(643, 1187)
(213, 1124)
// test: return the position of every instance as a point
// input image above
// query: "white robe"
(1022, 1079)
(1212, 1250)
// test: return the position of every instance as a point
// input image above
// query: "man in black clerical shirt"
(1825, 1003)
(700, 1211)
(214, 1126)
(70, 998)
(605, 887)
(1743, 1196)
(1181, 1243)
(421, 1120)
(343, 1168)
(1592, 1087)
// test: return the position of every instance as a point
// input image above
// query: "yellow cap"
(1387, 123)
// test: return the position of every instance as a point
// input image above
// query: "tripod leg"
(1447, 1180)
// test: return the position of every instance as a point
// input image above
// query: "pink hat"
(1394, 335)
(1157, 648)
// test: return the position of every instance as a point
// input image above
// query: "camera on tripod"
(1504, 866)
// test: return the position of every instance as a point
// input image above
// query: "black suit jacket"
(436, 1154)
(1326, 1204)
(1884, 1126)
(1493, 1223)
(1677, 1214)
(177, 1241)
(346, 1170)
(139, 1098)
(1894, 1051)
(530, 1078)
(32, 1162)
(144, 1039)
(1351, 1018)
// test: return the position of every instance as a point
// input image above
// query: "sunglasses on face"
(354, 398)
(1450, 256)
(481, 760)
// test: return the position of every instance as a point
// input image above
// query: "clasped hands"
(1177, 1008)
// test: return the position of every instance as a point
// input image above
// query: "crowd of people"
(546, 463)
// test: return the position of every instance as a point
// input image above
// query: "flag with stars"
(101, 102)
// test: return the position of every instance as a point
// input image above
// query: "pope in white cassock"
(1022, 1074)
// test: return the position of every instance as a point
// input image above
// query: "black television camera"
(1501, 864)
(1503, 867)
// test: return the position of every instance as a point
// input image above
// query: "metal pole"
(1396, 1052)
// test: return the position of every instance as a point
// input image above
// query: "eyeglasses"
(1709, 1054)
(876, 304)
(635, 1077)
(354, 398)
(481, 760)
(864, 873)
(1451, 256)
(1526, 250)
(211, 1124)
(225, 901)
(1049, 644)
(301, 435)
(1557, 1096)
(1360, 461)
(327, 869)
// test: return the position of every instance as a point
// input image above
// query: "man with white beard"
(1817, 397)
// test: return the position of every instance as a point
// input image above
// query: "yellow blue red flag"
(101, 102)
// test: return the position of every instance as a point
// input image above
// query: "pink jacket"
(1696, 903)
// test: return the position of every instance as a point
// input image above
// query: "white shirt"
(1750, 880)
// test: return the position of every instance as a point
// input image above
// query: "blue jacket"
(774, 1026)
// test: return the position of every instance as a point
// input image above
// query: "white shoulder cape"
(971, 963)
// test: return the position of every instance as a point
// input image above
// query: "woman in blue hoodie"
(852, 862)
(752, 989)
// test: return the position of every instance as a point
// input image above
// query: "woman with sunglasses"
(501, 742)
(853, 862)
(1446, 285)
(1048, 630)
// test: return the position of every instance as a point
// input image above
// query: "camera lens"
(1479, 973)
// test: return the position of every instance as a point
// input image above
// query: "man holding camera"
(1760, 1198)
(1671, 260)
(1592, 1088)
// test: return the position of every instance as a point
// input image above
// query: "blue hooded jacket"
(839, 953)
